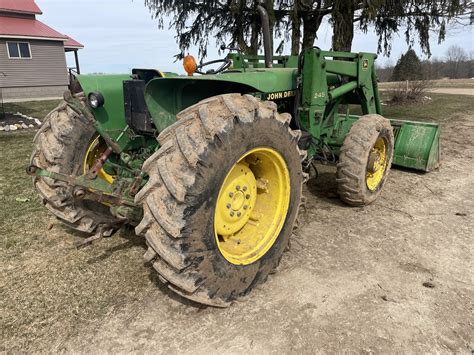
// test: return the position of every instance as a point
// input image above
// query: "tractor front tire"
(60, 146)
(365, 160)
(201, 177)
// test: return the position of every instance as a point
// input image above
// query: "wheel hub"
(374, 161)
(95, 150)
(239, 194)
(252, 205)
(238, 201)
(377, 164)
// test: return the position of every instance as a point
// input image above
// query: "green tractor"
(209, 168)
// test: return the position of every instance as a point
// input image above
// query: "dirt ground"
(392, 277)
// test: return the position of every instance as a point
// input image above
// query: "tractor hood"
(166, 97)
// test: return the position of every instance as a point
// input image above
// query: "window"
(19, 50)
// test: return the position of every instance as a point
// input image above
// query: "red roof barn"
(32, 54)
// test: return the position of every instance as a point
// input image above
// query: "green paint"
(317, 85)
(110, 118)
(166, 97)
(240, 61)
(322, 94)
(416, 143)
(96, 185)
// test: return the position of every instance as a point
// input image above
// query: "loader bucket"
(416, 145)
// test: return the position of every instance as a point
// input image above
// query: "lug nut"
(231, 194)
(237, 187)
(247, 197)
(245, 207)
(228, 205)
(239, 214)
(232, 213)
(244, 188)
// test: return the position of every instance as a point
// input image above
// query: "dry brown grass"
(448, 83)
(37, 109)
(49, 291)
(412, 92)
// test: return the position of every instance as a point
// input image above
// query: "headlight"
(96, 99)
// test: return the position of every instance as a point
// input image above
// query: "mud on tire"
(185, 177)
(353, 160)
(60, 146)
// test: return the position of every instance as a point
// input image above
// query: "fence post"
(2, 108)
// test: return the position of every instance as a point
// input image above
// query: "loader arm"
(321, 107)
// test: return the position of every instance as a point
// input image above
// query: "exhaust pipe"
(267, 43)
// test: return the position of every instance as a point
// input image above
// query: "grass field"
(440, 108)
(51, 292)
(452, 83)
(39, 299)
(37, 109)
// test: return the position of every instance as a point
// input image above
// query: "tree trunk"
(311, 22)
(343, 25)
(295, 32)
(252, 47)
(309, 36)
(311, 26)
(269, 5)
(254, 39)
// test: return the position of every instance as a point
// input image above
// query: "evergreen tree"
(408, 67)
(297, 21)
(416, 18)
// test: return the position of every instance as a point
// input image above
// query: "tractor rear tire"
(60, 146)
(181, 197)
(358, 183)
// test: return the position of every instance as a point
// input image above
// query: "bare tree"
(455, 56)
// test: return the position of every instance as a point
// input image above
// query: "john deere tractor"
(209, 166)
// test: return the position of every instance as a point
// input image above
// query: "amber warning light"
(190, 65)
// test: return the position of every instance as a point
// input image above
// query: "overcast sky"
(120, 34)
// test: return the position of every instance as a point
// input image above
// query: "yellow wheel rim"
(252, 206)
(377, 164)
(95, 150)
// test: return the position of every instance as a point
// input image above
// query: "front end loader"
(209, 166)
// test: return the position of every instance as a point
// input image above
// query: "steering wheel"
(226, 63)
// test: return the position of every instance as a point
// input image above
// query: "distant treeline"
(456, 64)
